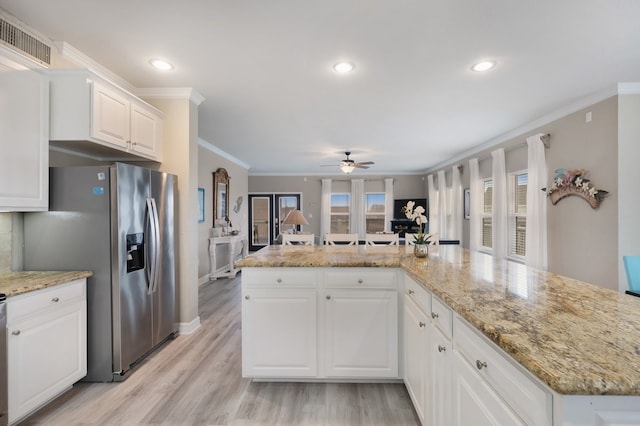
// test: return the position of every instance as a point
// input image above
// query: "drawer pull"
(279, 280)
(411, 292)
(16, 333)
(441, 348)
(480, 364)
(247, 297)
(328, 297)
(360, 280)
(434, 315)
(55, 300)
(421, 324)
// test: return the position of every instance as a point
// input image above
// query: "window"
(486, 240)
(517, 214)
(374, 212)
(340, 206)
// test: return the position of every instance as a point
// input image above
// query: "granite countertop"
(577, 338)
(15, 283)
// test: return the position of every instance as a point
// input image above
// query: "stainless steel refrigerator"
(117, 221)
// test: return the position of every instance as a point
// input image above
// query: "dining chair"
(345, 239)
(632, 268)
(297, 239)
(381, 239)
(432, 239)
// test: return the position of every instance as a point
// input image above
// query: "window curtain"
(325, 206)
(434, 220)
(357, 215)
(475, 204)
(456, 205)
(536, 237)
(499, 226)
(443, 224)
(388, 203)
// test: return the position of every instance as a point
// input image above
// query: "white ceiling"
(273, 101)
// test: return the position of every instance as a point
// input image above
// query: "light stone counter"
(15, 283)
(577, 338)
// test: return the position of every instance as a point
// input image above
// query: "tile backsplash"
(5, 242)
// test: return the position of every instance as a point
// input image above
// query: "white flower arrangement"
(417, 214)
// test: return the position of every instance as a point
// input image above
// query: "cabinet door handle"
(480, 364)
(247, 297)
(434, 315)
(16, 332)
(421, 324)
(441, 348)
(279, 280)
(328, 297)
(55, 300)
(411, 291)
(360, 280)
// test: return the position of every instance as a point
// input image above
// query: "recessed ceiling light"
(483, 66)
(161, 65)
(343, 67)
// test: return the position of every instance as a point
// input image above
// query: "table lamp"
(295, 217)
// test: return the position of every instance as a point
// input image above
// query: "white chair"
(381, 239)
(348, 239)
(297, 239)
(432, 239)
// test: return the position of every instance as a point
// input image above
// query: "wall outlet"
(587, 117)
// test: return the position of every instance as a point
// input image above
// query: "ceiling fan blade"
(360, 166)
(367, 163)
(329, 165)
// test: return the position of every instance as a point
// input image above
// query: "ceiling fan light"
(346, 168)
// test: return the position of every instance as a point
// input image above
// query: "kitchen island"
(581, 343)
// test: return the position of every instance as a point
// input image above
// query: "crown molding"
(629, 88)
(582, 103)
(209, 146)
(171, 93)
(77, 57)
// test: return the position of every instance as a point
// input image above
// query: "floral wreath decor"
(574, 182)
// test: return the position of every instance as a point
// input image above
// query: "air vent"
(24, 43)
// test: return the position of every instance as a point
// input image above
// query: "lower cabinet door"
(279, 337)
(439, 409)
(474, 401)
(46, 355)
(415, 351)
(361, 333)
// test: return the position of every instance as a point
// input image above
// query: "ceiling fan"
(348, 165)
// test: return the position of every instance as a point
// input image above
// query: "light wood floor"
(196, 380)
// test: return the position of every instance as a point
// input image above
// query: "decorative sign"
(574, 182)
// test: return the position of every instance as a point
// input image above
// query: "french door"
(266, 213)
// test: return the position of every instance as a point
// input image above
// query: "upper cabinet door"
(110, 116)
(146, 131)
(24, 130)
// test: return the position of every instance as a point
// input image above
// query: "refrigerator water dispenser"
(135, 252)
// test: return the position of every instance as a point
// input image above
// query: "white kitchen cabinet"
(361, 333)
(24, 129)
(475, 402)
(94, 117)
(415, 354)
(439, 378)
(47, 345)
(279, 337)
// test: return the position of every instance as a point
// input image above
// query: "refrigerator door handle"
(153, 240)
(156, 246)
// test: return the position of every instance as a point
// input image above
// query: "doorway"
(266, 212)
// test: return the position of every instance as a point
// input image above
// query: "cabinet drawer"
(441, 316)
(360, 278)
(525, 397)
(29, 303)
(279, 277)
(418, 294)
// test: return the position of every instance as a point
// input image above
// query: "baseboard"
(204, 279)
(189, 327)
